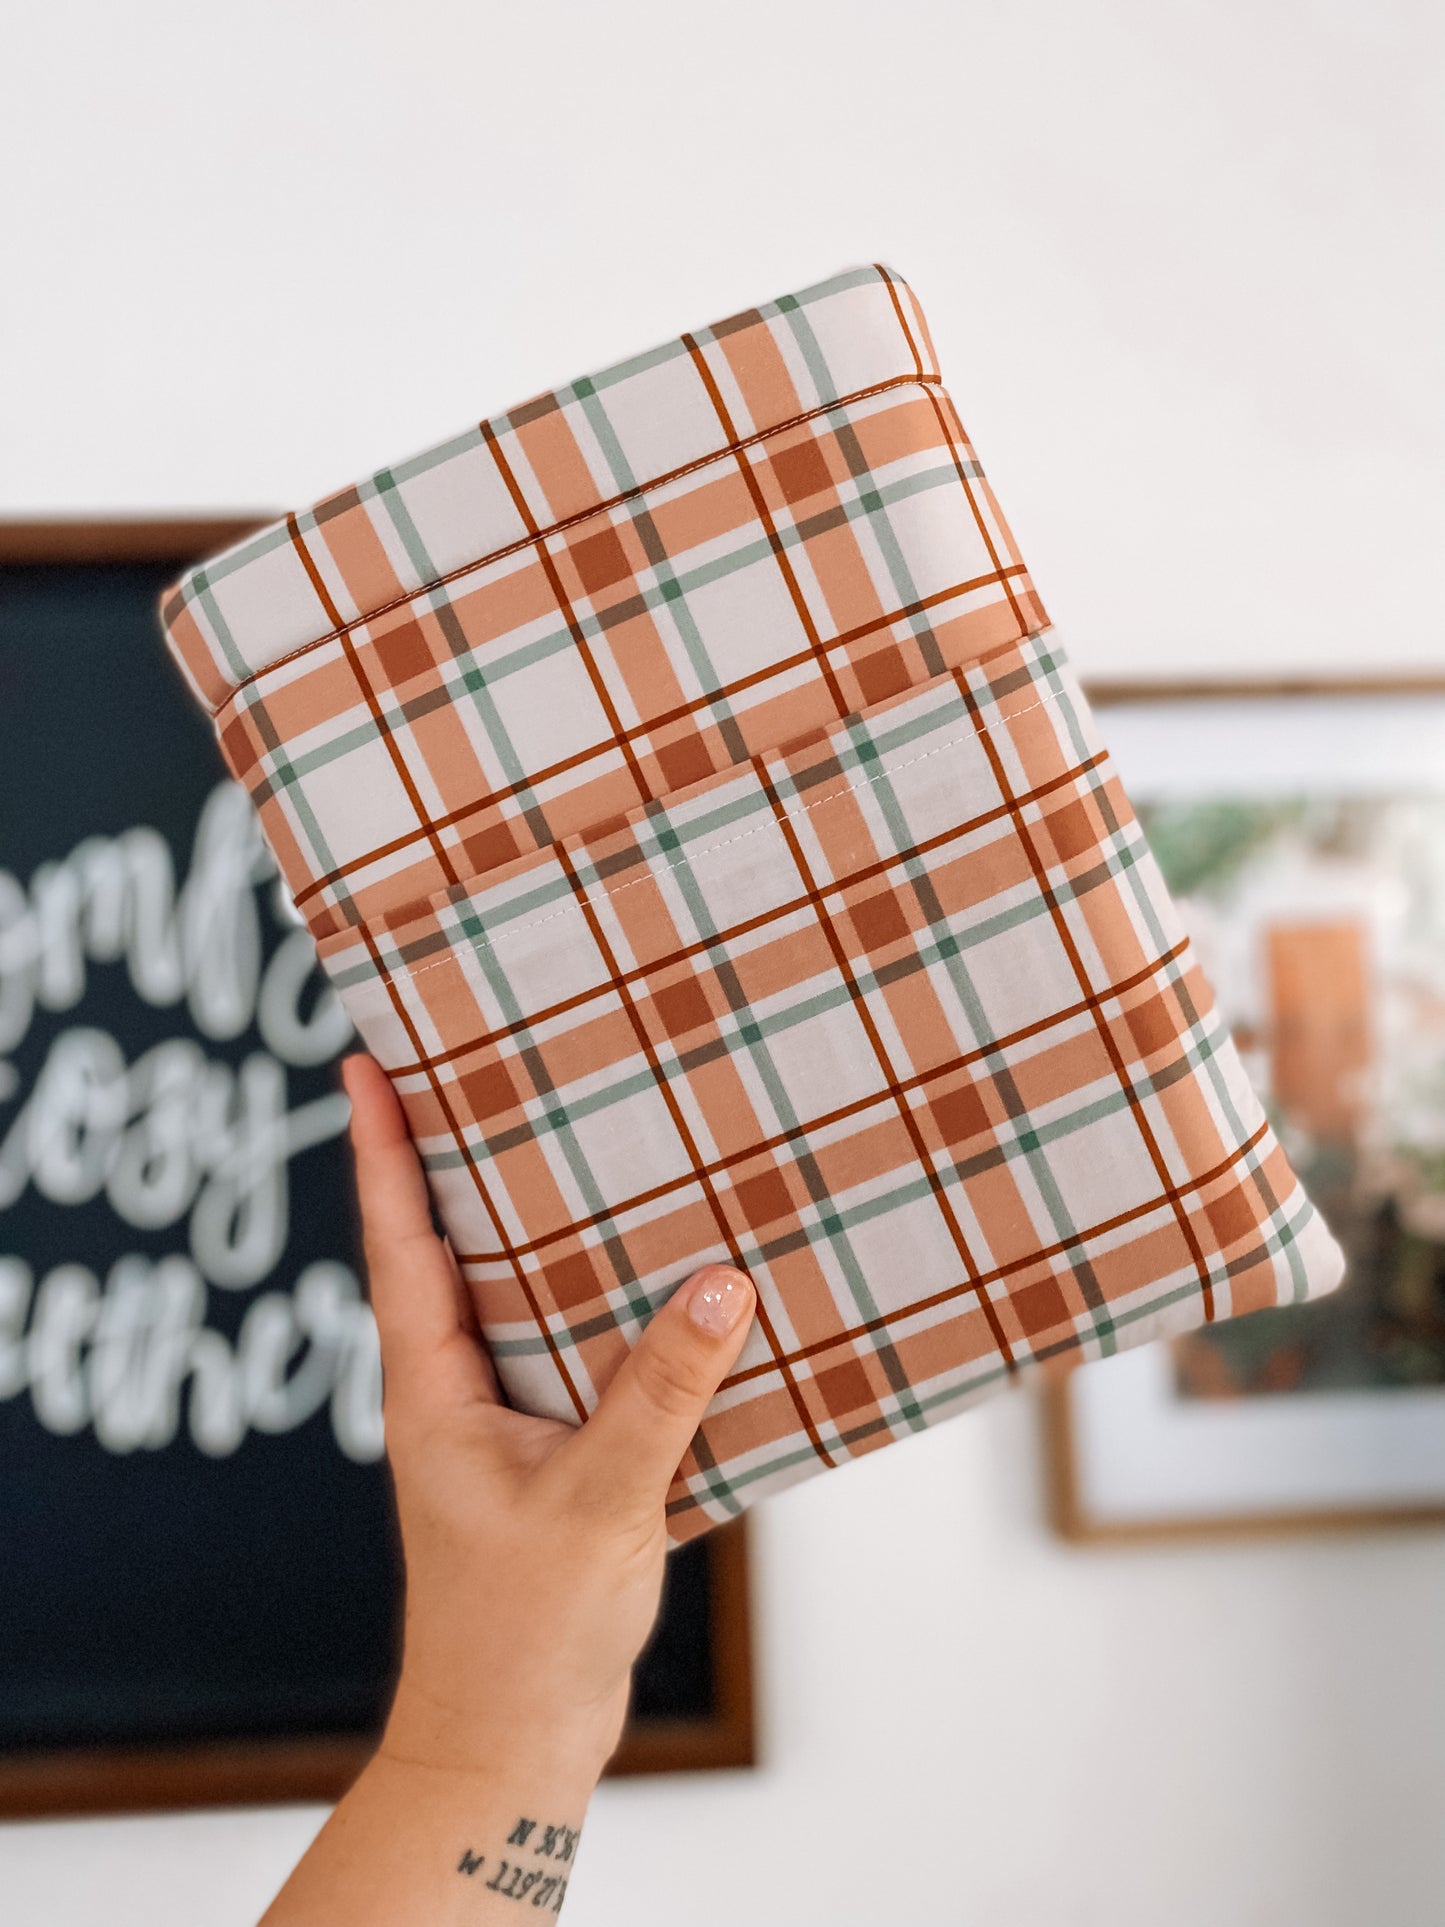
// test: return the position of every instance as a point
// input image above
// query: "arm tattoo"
(521, 1877)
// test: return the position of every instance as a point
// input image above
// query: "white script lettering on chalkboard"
(118, 1356)
(175, 1135)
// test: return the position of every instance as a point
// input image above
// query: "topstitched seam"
(574, 908)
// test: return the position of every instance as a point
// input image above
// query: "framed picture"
(1301, 827)
(199, 1586)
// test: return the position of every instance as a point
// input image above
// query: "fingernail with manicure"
(719, 1298)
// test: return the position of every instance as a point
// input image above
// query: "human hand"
(534, 1550)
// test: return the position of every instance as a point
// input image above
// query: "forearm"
(413, 1842)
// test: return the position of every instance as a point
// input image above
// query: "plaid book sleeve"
(692, 807)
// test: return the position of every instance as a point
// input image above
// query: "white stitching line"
(574, 908)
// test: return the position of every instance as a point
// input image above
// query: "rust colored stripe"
(1000, 571)
(680, 1124)
(1001, 1273)
(918, 1082)
(687, 953)
(569, 615)
(505, 1249)
(881, 1058)
(1173, 1198)
(353, 663)
(764, 515)
(680, 713)
(570, 521)
(1026, 837)
(887, 279)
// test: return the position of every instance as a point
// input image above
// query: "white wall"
(1182, 268)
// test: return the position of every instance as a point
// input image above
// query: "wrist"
(565, 1747)
(442, 1839)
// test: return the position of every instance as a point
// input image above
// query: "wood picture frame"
(1074, 1511)
(114, 1776)
(1071, 1518)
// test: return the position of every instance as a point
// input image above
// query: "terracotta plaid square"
(801, 471)
(403, 654)
(882, 674)
(600, 560)
(683, 1008)
(571, 1281)
(879, 919)
(706, 836)
(960, 1113)
(684, 761)
(765, 1202)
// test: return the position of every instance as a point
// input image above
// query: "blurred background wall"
(1183, 269)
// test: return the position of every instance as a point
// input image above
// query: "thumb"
(634, 1441)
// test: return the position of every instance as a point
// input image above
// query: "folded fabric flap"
(555, 458)
(900, 1019)
(758, 597)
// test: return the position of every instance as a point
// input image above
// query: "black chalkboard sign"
(198, 1582)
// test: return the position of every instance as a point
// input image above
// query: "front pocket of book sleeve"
(901, 1021)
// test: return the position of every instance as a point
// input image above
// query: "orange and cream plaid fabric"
(704, 831)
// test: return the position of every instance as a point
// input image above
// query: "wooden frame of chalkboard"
(708, 1579)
